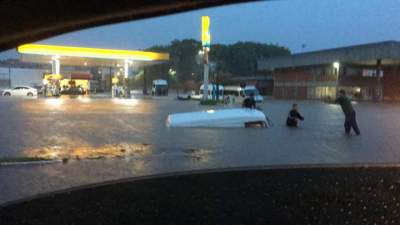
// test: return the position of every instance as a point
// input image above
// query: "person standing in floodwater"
(349, 113)
(293, 117)
(250, 102)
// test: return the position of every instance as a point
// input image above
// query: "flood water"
(62, 124)
(80, 126)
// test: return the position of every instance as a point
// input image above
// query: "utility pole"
(144, 81)
(336, 67)
(110, 78)
(111, 84)
(296, 88)
(303, 46)
(379, 91)
(9, 76)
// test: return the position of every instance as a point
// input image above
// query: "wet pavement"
(107, 139)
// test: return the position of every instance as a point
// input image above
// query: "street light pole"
(144, 80)
(336, 66)
(379, 94)
(9, 77)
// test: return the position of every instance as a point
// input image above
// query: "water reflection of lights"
(211, 111)
(138, 165)
(84, 99)
(53, 155)
(91, 152)
(198, 155)
(54, 101)
(354, 102)
(125, 101)
(168, 121)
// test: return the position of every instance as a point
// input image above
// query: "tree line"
(226, 60)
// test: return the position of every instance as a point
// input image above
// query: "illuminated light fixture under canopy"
(336, 65)
(52, 50)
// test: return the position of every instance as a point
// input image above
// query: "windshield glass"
(326, 76)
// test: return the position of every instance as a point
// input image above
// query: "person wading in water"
(293, 117)
(349, 113)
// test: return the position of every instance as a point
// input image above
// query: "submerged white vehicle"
(240, 117)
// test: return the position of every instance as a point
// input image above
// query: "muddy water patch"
(65, 154)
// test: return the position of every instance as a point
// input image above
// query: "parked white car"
(20, 91)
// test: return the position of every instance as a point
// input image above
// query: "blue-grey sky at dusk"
(319, 24)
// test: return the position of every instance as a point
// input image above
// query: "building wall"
(321, 82)
(23, 76)
(4, 83)
(360, 82)
(364, 82)
(305, 83)
(391, 84)
(265, 87)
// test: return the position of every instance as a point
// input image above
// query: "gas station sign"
(205, 31)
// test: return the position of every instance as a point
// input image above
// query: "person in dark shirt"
(349, 113)
(250, 102)
(293, 117)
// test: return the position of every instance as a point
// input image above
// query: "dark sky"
(319, 24)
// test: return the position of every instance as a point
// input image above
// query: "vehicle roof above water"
(160, 82)
(233, 88)
(250, 87)
(236, 117)
(214, 86)
(238, 88)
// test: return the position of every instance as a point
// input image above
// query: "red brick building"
(367, 72)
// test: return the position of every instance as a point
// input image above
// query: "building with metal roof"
(366, 54)
(367, 71)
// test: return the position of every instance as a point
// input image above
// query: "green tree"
(182, 57)
(239, 59)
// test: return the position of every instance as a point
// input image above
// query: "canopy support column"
(55, 66)
(126, 69)
(126, 81)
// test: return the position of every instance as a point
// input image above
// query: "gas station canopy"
(81, 56)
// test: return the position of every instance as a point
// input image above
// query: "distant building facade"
(367, 72)
(13, 72)
(264, 84)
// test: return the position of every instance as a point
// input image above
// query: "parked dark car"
(72, 91)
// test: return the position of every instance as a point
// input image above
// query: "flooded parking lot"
(106, 139)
